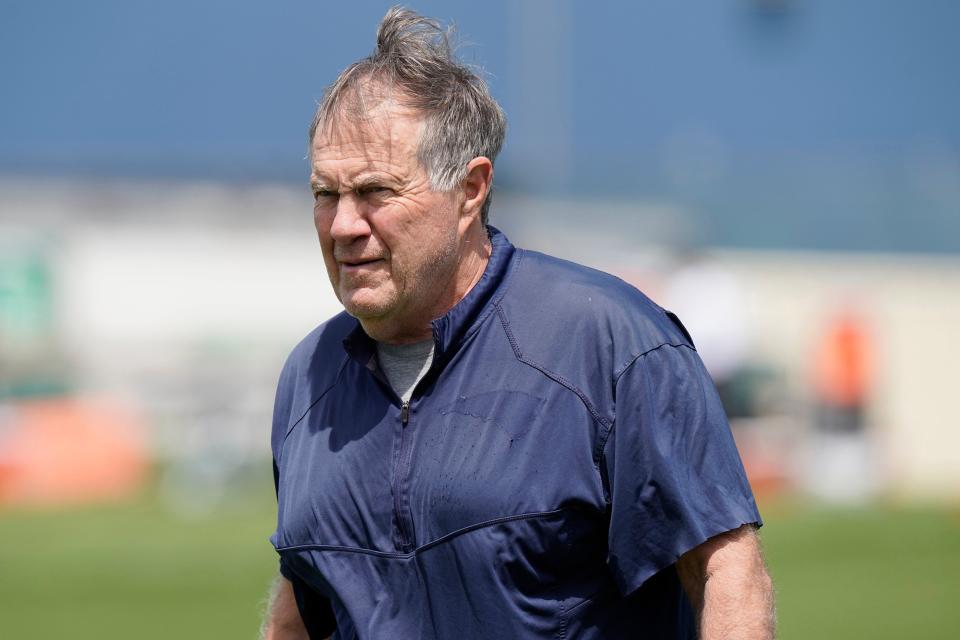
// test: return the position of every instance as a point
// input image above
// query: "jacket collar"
(450, 329)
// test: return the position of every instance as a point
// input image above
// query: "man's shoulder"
(551, 297)
(320, 352)
(311, 368)
(582, 327)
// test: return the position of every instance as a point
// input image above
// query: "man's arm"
(283, 621)
(729, 588)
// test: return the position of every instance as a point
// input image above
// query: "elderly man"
(489, 442)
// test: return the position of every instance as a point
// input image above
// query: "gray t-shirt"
(405, 364)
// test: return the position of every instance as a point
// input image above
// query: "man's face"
(389, 241)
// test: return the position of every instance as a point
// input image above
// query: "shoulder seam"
(557, 378)
(290, 429)
(507, 279)
(629, 363)
(518, 255)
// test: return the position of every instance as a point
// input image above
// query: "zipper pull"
(405, 412)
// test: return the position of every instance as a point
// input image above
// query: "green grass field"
(881, 572)
(139, 570)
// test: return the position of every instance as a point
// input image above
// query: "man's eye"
(323, 193)
(373, 189)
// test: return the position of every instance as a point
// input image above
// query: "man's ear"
(476, 185)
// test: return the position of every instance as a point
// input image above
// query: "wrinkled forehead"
(368, 122)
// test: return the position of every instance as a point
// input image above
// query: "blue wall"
(775, 123)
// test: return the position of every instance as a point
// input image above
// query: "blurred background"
(783, 174)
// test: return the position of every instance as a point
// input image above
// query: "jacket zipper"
(401, 497)
(401, 492)
(398, 479)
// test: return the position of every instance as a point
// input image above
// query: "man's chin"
(365, 307)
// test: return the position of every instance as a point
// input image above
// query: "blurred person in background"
(841, 463)
(711, 301)
(488, 442)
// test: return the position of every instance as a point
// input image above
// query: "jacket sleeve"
(314, 608)
(674, 474)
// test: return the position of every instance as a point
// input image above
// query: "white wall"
(141, 285)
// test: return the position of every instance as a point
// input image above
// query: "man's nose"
(349, 222)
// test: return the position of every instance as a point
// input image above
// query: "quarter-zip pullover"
(565, 447)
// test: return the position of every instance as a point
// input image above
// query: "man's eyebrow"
(362, 181)
(318, 181)
(369, 180)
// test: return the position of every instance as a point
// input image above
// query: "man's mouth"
(359, 263)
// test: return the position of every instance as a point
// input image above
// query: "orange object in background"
(843, 366)
(68, 451)
(768, 476)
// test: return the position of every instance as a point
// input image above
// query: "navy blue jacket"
(564, 449)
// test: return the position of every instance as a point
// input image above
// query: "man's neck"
(476, 250)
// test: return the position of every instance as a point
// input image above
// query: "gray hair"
(414, 64)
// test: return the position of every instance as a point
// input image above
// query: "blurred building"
(184, 300)
(157, 251)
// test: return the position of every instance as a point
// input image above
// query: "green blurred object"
(31, 363)
(142, 571)
(26, 291)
